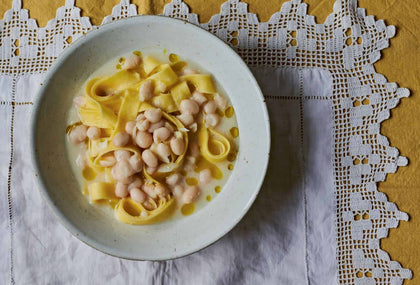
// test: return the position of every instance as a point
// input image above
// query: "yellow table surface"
(399, 63)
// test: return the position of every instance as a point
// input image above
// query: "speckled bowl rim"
(35, 163)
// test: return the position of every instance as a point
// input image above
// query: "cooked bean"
(161, 134)
(93, 133)
(79, 101)
(161, 87)
(122, 170)
(153, 115)
(137, 183)
(194, 149)
(173, 179)
(137, 195)
(199, 97)
(121, 139)
(144, 139)
(210, 107)
(160, 189)
(193, 127)
(129, 126)
(177, 146)
(212, 120)
(188, 71)
(136, 163)
(140, 117)
(163, 150)
(122, 154)
(146, 90)
(150, 158)
(178, 190)
(107, 161)
(189, 106)
(221, 101)
(205, 176)
(190, 194)
(156, 126)
(150, 190)
(143, 125)
(186, 119)
(151, 170)
(121, 190)
(131, 62)
(78, 134)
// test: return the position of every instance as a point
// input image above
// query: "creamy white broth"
(208, 192)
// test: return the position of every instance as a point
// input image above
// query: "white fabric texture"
(319, 216)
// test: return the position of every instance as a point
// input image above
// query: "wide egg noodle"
(202, 82)
(209, 139)
(101, 192)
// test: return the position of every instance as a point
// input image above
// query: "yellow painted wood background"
(399, 63)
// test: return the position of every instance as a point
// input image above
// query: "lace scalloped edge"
(347, 44)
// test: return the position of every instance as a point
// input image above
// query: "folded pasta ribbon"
(214, 146)
(131, 212)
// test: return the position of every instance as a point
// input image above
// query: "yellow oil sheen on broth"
(151, 136)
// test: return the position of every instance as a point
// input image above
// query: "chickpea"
(93, 133)
(177, 146)
(122, 154)
(188, 106)
(136, 163)
(137, 183)
(212, 120)
(205, 176)
(144, 139)
(78, 134)
(131, 62)
(121, 139)
(210, 107)
(199, 97)
(150, 158)
(79, 101)
(153, 115)
(129, 126)
(186, 119)
(143, 125)
(138, 195)
(121, 190)
(107, 161)
(163, 150)
(173, 179)
(140, 117)
(161, 134)
(146, 90)
(190, 194)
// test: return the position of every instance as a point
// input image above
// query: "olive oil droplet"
(208, 198)
(173, 57)
(88, 173)
(191, 181)
(229, 112)
(138, 53)
(187, 209)
(217, 189)
(230, 166)
(234, 132)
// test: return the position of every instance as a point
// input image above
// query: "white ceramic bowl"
(57, 183)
